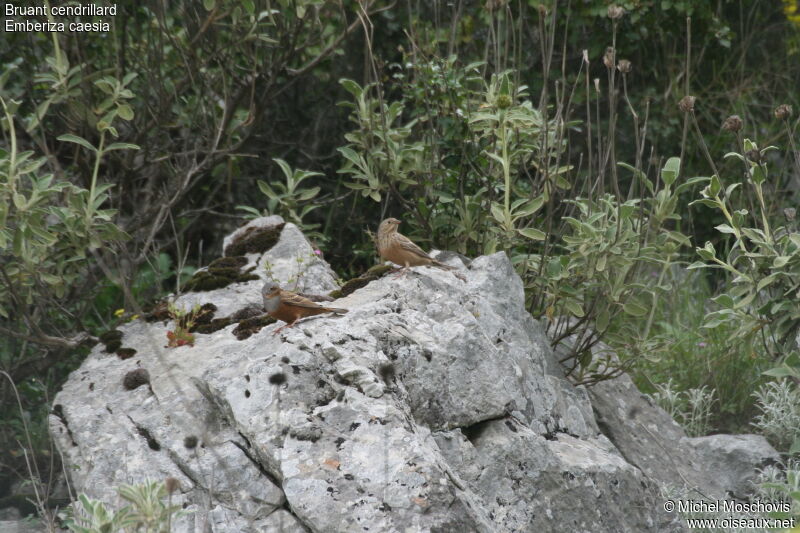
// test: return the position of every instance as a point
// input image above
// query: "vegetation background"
(638, 162)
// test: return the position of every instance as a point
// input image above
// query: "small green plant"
(184, 322)
(690, 408)
(146, 510)
(288, 198)
(777, 483)
(779, 420)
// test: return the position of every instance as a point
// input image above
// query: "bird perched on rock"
(398, 249)
(291, 307)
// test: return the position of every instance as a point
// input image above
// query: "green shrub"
(762, 261)
(146, 510)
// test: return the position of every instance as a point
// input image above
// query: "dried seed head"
(732, 123)
(172, 484)
(586, 56)
(754, 156)
(624, 66)
(503, 101)
(790, 213)
(783, 111)
(597, 85)
(542, 9)
(687, 103)
(608, 58)
(615, 12)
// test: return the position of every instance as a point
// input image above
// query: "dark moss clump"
(255, 240)
(250, 326)
(350, 286)
(250, 311)
(237, 262)
(112, 339)
(136, 378)
(202, 317)
(208, 281)
(113, 346)
(278, 378)
(126, 353)
(212, 326)
(110, 335)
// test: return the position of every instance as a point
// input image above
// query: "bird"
(291, 307)
(397, 248)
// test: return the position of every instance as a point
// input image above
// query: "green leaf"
(122, 146)
(498, 213)
(209, 4)
(782, 372)
(714, 186)
(708, 252)
(602, 320)
(758, 174)
(745, 301)
(781, 261)
(307, 194)
(532, 233)
(574, 307)
(740, 157)
(723, 300)
(68, 137)
(530, 207)
(125, 112)
(266, 189)
(671, 169)
(352, 87)
(724, 228)
(706, 202)
(634, 308)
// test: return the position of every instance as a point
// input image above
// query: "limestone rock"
(434, 405)
(734, 459)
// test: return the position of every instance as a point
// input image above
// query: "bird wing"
(409, 246)
(290, 298)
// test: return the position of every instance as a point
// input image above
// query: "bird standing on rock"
(397, 248)
(291, 307)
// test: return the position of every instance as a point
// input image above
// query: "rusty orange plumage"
(291, 307)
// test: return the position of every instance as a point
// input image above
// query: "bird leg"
(401, 273)
(287, 325)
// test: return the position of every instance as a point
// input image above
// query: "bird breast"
(271, 304)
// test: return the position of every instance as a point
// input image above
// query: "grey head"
(271, 296)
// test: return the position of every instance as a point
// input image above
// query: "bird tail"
(441, 265)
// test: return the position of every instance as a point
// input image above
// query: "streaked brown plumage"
(291, 307)
(397, 248)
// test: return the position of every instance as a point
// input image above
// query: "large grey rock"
(713, 467)
(433, 405)
(735, 459)
(650, 439)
